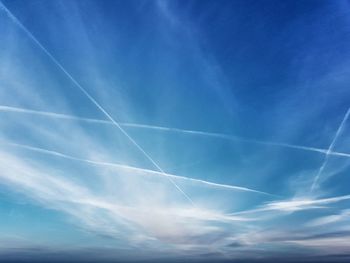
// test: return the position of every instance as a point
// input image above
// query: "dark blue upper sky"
(144, 130)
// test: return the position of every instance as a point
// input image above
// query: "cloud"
(327, 245)
(330, 219)
(142, 223)
(298, 204)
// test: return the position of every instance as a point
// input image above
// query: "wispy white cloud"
(297, 204)
(330, 219)
(148, 222)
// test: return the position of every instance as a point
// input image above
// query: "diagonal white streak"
(170, 129)
(146, 171)
(87, 94)
(331, 146)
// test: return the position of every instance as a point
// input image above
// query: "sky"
(174, 131)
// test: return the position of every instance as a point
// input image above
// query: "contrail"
(53, 115)
(87, 94)
(331, 146)
(169, 129)
(146, 171)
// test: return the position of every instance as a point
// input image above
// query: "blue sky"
(152, 130)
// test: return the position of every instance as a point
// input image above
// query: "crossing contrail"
(87, 94)
(331, 146)
(132, 168)
(169, 129)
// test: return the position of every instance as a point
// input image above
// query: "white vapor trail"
(146, 171)
(169, 129)
(87, 94)
(331, 146)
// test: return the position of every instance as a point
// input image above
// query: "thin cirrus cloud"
(171, 73)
